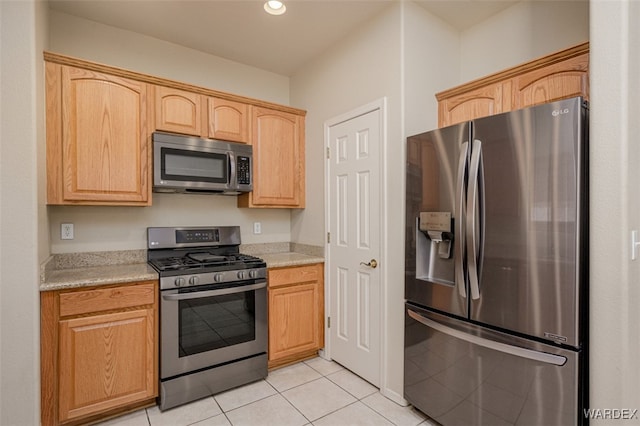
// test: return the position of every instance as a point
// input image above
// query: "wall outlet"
(66, 231)
(257, 228)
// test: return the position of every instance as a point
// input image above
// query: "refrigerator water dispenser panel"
(434, 248)
(437, 226)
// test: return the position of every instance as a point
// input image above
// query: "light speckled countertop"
(62, 271)
(280, 255)
(97, 275)
(280, 260)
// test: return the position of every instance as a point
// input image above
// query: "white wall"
(123, 228)
(431, 51)
(615, 205)
(527, 30)
(101, 43)
(360, 69)
(23, 241)
(392, 56)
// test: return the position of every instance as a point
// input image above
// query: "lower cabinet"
(296, 313)
(99, 349)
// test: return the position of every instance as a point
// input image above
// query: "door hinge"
(328, 153)
(328, 322)
(328, 237)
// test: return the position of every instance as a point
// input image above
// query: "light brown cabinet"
(99, 125)
(278, 160)
(556, 81)
(479, 102)
(296, 313)
(99, 349)
(557, 76)
(178, 111)
(190, 113)
(228, 120)
(98, 140)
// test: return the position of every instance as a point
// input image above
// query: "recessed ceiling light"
(275, 7)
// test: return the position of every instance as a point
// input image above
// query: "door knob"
(372, 264)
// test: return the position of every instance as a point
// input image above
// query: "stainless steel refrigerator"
(496, 268)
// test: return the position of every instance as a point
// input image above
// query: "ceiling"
(240, 30)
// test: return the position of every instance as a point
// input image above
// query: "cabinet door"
(104, 150)
(278, 160)
(294, 314)
(228, 120)
(178, 111)
(561, 80)
(480, 102)
(106, 361)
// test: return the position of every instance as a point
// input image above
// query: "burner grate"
(198, 260)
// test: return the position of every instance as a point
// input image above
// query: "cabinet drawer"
(104, 299)
(294, 275)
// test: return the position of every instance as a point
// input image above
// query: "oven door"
(210, 325)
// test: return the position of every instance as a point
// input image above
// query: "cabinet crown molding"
(542, 62)
(146, 78)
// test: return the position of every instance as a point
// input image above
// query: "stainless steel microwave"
(190, 164)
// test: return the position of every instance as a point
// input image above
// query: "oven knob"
(218, 278)
(179, 282)
(242, 275)
(253, 273)
(194, 281)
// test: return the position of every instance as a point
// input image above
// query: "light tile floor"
(314, 392)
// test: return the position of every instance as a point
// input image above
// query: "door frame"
(381, 106)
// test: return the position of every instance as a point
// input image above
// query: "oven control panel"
(192, 236)
(197, 236)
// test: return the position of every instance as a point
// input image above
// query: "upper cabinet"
(557, 76)
(278, 160)
(228, 120)
(479, 102)
(178, 111)
(98, 145)
(564, 79)
(190, 113)
(100, 120)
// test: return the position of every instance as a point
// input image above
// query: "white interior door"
(354, 244)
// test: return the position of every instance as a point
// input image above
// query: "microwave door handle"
(210, 293)
(232, 183)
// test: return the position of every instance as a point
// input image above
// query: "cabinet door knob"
(372, 264)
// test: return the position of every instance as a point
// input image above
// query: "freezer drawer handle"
(490, 344)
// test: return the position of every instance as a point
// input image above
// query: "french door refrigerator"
(496, 268)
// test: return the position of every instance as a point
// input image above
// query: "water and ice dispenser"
(434, 247)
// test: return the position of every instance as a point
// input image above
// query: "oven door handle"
(208, 293)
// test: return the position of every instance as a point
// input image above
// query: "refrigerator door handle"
(544, 357)
(472, 219)
(460, 221)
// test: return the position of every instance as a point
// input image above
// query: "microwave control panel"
(244, 170)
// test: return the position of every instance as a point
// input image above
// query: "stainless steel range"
(213, 312)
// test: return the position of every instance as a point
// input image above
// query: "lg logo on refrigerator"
(557, 112)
